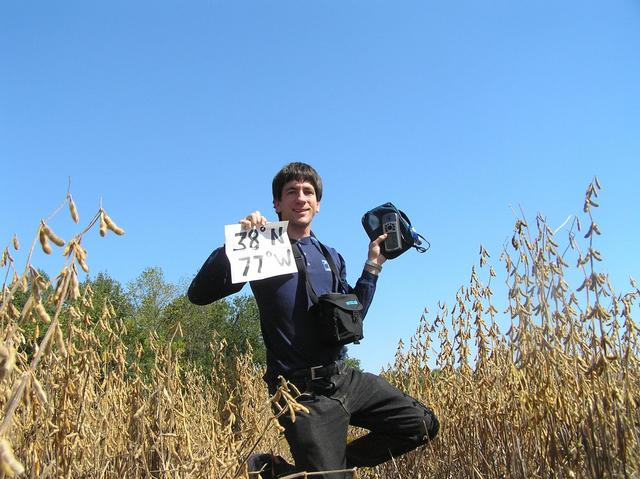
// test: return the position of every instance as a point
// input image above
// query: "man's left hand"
(375, 252)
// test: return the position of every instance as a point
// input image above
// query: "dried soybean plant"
(557, 395)
(45, 305)
(75, 407)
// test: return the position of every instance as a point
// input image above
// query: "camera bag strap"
(301, 263)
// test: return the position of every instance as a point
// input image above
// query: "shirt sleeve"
(213, 281)
(365, 286)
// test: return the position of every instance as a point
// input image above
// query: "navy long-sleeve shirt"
(289, 333)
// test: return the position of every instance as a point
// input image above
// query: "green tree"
(353, 362)
(155, 305)
(244, 327)
(150, 294)
(198, 324)
(105, 288)
(235, 321)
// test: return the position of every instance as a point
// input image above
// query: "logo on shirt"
(326, 265)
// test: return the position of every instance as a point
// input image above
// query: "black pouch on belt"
(338, 315)
(340, 319)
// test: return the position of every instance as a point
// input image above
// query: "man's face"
(298, 203)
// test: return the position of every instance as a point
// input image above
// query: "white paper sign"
(260, 252)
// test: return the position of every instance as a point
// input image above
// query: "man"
(335, 394)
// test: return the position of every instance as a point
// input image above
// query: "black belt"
(315, 372)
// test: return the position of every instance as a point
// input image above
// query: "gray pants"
(397, 423)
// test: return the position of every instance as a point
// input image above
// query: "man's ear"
(318, 207)
(276, 205)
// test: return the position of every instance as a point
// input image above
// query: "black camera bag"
(372, 223)
(338, 315)
(339, 318)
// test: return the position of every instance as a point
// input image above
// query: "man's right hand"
(252, 220)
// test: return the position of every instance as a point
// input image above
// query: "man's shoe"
(264, 465)
(259, 465)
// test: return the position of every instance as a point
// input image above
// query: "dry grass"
(557, 395)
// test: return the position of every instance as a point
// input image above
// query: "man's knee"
(429, 424)
(432, 426)
(421, 432)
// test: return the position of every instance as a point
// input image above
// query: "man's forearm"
(365, 290)
(213, 281)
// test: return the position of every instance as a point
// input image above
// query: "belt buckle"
(312, 370)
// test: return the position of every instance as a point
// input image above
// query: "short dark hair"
(299, 172)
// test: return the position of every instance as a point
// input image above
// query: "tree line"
(153, 309)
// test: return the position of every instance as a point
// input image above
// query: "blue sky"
(176, 115)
